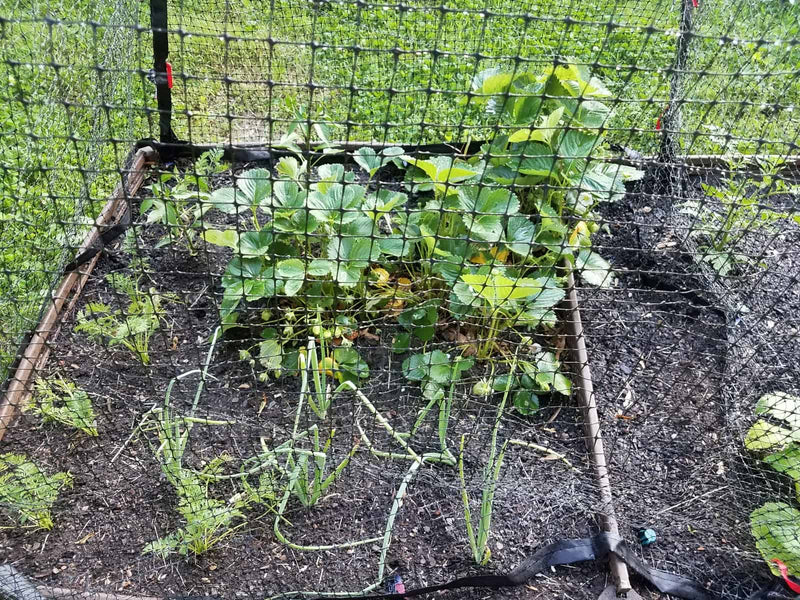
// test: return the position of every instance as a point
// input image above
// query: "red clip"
(695, 3)
(661, 116)
(169, 75)
(795, 587)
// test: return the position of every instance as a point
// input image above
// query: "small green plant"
(316, 247)
(64, 402)
(479, 543)
(181, 207)
(305, 470)
(437, 374)
(776, 435)
(540, 375)
(209, 520)
(435, 371)
(502, 299)
(419, 322)
(26, 493)
(730, 212)
(372, 161)
(132, 327)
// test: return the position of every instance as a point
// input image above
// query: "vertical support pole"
(159, 26)
(591, 424)
(671, 121)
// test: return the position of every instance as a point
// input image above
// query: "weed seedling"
(132, 327)
(741, 207)
(27, 493)
(63, 402)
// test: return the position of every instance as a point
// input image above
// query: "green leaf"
(776, 529)
(350, 360)
(401, 343)
(535, 160)
(591, 113)
(576, 144)
(357, 252)
(256, 185)
(270, 355)
(526, 402)
(227, 238)
(496, 289)
(484, 209)
(289, 167)
(320, 267)
(395, 245)
(786, 461)
(764, 435)
(415, 367)
(520, 235)
(288, 195)
(229, 200)
(491, 82)
(542, 132)
(432, 390)
(594, 269)
(781, 406)
(370, 161)
(383, 202)
(443, 171)
(293, 272)
(254, 243)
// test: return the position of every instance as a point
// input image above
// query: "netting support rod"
(34, 355)
(671, 121)
(160, 28)
(594, 441)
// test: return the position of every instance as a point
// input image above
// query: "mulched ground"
(674, 390)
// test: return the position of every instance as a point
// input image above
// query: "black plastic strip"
(564, 552)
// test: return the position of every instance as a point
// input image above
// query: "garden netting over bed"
(331, 298)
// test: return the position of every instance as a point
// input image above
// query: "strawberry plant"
(315, 247)
(497, 297)
(776, 435)
(552, 127)
(539, 376)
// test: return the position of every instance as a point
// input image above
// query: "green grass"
(385, 74)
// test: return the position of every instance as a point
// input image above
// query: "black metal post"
(159, 26)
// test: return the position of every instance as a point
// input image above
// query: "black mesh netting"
(312, 298)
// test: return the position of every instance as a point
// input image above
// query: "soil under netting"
(680, 358)
(121, 500)
(678, 366)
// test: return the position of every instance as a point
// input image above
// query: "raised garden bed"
(185, 417)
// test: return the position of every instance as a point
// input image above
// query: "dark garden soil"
(659, 344)
(678, 368)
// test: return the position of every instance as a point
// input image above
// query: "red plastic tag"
(695, 3)
(795, 587)
(169, 75)
(661, 116)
